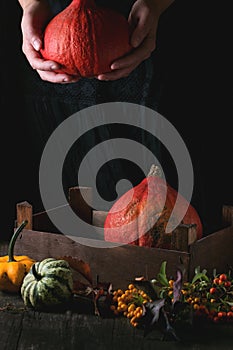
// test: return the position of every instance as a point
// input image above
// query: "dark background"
(194, 40)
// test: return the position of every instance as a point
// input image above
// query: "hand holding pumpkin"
(36, 15)
(143, 19)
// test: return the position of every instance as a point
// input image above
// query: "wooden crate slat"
(213, 251)
(227, 215)
(42, 222)
(98, 217)
(118, 265)
(183, 236)
(79, 197)
(24, 212)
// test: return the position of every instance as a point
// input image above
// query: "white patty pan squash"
(48, 283)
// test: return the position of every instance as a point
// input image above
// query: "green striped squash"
(49, 282)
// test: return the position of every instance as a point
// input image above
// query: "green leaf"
(161, 276)
(230, 303)
(200, 276)
(197, 270)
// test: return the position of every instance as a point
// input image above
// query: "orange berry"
(123, 307)
(171, 282)
(131, 307)
(131, 286)
(120, 291)
(133, 319)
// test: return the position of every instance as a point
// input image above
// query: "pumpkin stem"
(13, 240)
(35, 274)
(85, 2)
(155, 170)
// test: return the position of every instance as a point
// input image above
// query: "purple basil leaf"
(169, 331)
(177, 286)
(152, 314)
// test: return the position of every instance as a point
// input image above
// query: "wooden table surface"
(72, 329)
(24, 329)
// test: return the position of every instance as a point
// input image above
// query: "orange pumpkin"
(85, 38)
(141, 219)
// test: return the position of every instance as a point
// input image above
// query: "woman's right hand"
(36, 15)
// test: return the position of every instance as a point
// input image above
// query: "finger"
(57, 78)
(138, 55)
(141, 29)
(117, 74)
(37, 62)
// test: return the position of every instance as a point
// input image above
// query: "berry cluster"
(209, 298)
(130, 303)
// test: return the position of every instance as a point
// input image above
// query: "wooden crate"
(119, 265)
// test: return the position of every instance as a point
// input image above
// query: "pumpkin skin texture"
(131, 208)
(85, 39)
(48, 283)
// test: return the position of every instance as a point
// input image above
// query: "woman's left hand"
(143, 20)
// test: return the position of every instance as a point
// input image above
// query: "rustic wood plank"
(11, 316)
(227, 215)
(91, 332)
(79, 197)
(118, 265)
(213, 251)
(98, 217)
(24, 212)
(74, 331)
(3, 248)
(42, 222)
(9, 299)
(44, 331)
(10, 327)
(68, 330)
(183, 236)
